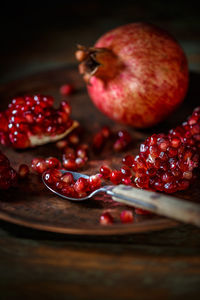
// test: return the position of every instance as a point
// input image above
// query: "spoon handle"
(158, 203)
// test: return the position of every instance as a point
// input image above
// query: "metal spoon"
(158, 203)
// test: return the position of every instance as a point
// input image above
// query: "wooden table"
(157, 265)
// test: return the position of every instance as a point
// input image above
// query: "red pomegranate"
(136, 74)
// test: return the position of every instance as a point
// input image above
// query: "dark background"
(42, 35)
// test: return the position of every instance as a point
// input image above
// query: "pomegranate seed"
(128, 160)
(69, 191)
(94, 182)
(81, 185)
(68, 178)
(52, 162)
(65, 107)
(69, 153)
(98, 141)
(69, 164)
(23, 171)
(74, 139)
(126, 216)
(80, 162)
(81, 153)
(52, 176)
(105, 172)
(116, 177)
(61, 144)
(106, 219)
(66, 89)
(106, 132)
(126, 172)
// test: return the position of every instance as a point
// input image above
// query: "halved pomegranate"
(30, 121)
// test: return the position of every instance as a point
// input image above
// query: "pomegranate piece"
(23, 171)
(129, 61)
(30, 121)
(106, 219)
(126, 216)
(8, 176)
(167, 162)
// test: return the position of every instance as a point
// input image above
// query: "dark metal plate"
(32, 205)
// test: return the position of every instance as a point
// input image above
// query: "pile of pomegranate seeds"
(40, 165)
(120, 143)
(31, 120)
(122, 176)
(8, 176)
(66, 185)
(166, 162)
(74, 159)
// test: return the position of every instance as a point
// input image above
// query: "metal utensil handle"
(158, 203)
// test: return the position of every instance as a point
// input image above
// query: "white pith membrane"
(38, 140)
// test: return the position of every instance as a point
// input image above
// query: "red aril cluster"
(100, 138)
(66, 185)
(31, 120)
(75, 158)
(122, 176)
(120, 139)
(8, 176)
(166, 162)
(40, 165)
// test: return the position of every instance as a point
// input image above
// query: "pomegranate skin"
(150, 82)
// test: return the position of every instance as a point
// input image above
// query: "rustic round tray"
(32, 205)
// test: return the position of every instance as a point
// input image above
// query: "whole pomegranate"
(137, 74)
